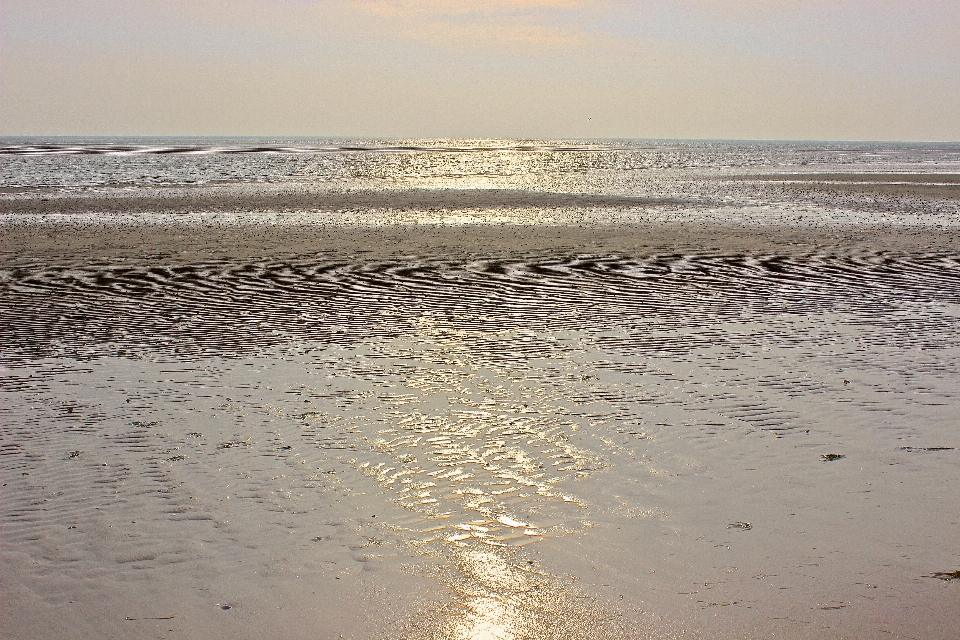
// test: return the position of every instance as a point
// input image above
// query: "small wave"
(195, 149)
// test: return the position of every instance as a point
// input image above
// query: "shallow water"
(547, 442)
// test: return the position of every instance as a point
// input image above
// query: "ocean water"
(346, 181)
(482, 365)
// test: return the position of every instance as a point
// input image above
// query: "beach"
(478, 394)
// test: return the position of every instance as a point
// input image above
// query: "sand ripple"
(667, 305)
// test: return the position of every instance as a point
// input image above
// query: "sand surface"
(942, 186)
(674, 426)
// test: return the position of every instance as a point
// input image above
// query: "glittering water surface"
(473, 407)
(79, 164)
(243, 181)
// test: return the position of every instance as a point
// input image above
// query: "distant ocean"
(77, 163)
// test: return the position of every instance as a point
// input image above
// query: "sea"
(607, 388)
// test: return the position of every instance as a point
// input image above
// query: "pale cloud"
(460, 7)
(855, 30)
(521, 25)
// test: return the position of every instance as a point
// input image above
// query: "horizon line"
(78, 136)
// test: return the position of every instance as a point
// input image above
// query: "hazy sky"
(785, 69)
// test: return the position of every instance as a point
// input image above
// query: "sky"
(715, 69)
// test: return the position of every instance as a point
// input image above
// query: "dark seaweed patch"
(234, 443)
(946, 576)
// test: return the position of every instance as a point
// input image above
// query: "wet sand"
(226, 199)
(943, 186)
(658, 430)
(71, 242)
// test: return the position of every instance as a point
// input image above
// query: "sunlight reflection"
(470, 442)
(492, 611)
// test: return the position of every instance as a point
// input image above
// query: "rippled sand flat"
(578, 416)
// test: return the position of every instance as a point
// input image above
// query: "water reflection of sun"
(499, 596)
(474, 442)
(490, 609)
(478, 164)
(471, 442)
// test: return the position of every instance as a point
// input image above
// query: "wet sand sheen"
(888, 178)
(663, 192)
(920, 185)
(594, 433)
(67, 243)
(224, 199)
